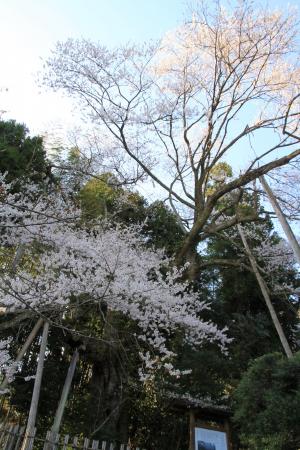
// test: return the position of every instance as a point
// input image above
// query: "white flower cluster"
(106, 264)
(272, 253)
(6, 365)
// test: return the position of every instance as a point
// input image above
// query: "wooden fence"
(12, 438)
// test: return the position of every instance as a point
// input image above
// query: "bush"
(267, 403)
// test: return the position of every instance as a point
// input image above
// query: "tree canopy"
(22, 156)
(187, 103)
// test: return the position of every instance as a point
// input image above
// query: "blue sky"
(30, 28)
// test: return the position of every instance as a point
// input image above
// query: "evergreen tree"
(267, 403)
(22, 156)
(239, 304)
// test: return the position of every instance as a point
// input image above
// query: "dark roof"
(205, 406)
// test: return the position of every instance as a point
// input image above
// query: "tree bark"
(266, 296)
(37, 388)
(107, 383)
(282, 219)
(193, 237)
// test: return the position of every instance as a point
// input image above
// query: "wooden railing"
(12, 437)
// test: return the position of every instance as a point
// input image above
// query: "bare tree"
(205, 93)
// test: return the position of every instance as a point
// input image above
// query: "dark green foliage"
(21, 156)
(209, 374)
(154, 422)
(239, 305)
(162, 228)
(267, 403)
(101, 197)
(56, 366)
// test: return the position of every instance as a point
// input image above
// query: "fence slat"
(19, 438)
(29, 439)
(86, 444)
(14, 437)
(95, 445)
(47, 441)
(7, 436)
(66, 441)
(55, 438)
(75, 442)
(2, 432)
(52, 439)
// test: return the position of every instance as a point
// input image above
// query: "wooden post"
(266, 296)
(24, 349)
(282, 219)
(36, 389)
(65, 393)
(228, 433)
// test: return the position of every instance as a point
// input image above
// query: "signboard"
(209, 439)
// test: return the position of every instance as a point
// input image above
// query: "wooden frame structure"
(214, 419)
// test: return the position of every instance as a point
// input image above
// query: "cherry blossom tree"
(177, 109)
(66, 264)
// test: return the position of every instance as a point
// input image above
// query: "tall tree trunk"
(266, 296)
(282, 219)
(65, 393)
(24, 349)
(37, 388)
(107, 384)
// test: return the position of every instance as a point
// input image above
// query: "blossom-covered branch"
(72, 264)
